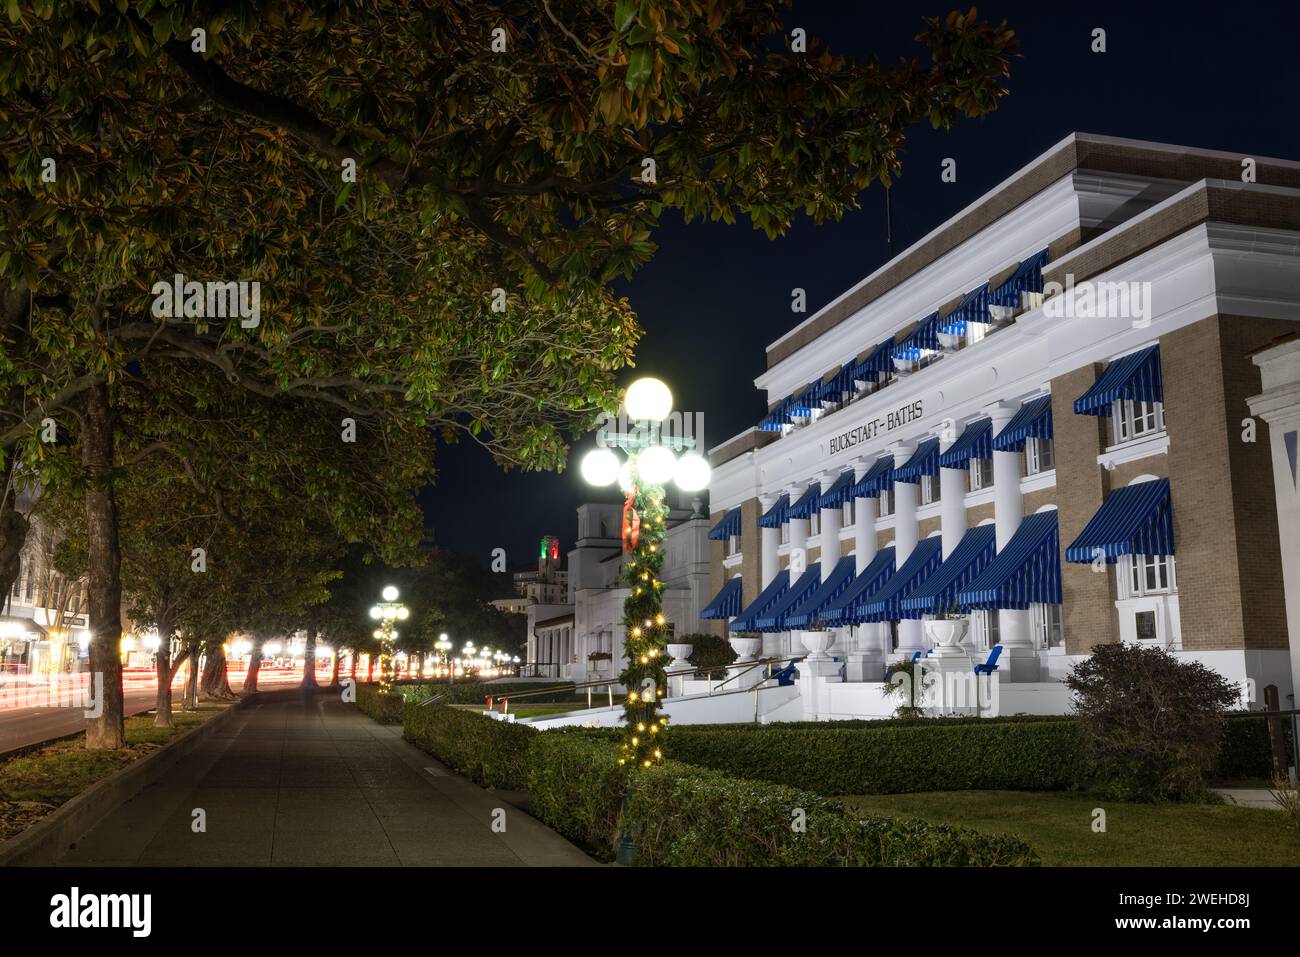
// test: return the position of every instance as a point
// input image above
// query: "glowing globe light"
(692, 472)
(376, 611)
(625, 478)
(657, 464)
(390, 593)
(600, 467)
(403, 613)
(648, 400)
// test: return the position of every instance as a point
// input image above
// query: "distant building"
(581, 638)
(547, 584)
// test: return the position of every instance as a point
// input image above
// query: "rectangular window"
(815, 523)
(1134, 418)
(1040, 456)
(847, 514)
(886, 502)
(733, 545)
(975, 332)
(1147, 575)
(981, 474)
(1048, 629)
(929, 489)
(785, 533)
(987, 633)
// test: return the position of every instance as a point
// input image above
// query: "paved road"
(309, 781)
(46, 719)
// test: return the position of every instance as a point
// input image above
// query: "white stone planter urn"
(946, 634)
(817, 642)
(680, 653)
(745, 648)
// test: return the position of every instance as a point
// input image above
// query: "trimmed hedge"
(688, 816)
(476, 692)
(1246, 751)
(384, 708)
(927, 755)
(491, 753)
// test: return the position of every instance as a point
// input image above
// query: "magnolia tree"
(405, 215)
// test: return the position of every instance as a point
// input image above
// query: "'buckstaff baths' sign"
(880, 425)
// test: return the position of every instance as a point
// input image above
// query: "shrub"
(488, 752)
(1246, 750)
(708, 651)
(476, 692)
(892, 757)
(386, 708)
(1152, 725)
(575, 786)
(684, 815)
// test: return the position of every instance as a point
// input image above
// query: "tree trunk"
(370, 668)
(254, 668)
(13, 533)
(191, 700)
(309, 662)
(162, 711)
(104, 562)
(334, 678)
(352, 659)
(216, 683)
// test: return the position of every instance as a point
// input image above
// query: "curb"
(46, 841)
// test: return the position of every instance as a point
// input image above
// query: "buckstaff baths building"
(1035, 416)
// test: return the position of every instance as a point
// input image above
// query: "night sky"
(1218, 76)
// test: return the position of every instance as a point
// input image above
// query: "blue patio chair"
(785, 677)
(991, 665)
(917, 657)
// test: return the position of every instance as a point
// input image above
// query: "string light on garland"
(651, 463)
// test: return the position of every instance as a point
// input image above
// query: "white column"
(770, 561)
(911, 638)
(798, 543)
(866, 658)
(1279, 406)
(830, 534)
(1018, 649)
(952, 503)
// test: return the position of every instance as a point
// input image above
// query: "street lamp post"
(386, 612)
(652, 461)
(443, 644)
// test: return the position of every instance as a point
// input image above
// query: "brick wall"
(1088, 596)
(1033, 501)
(751, 545)
(717, 577)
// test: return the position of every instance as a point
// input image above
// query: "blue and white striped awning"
(844, 609)
(807, 399)
(839, 492)
(807, 611)
(1034, 418)
(806, 505)
(924, 461)
(1134, 520)
(939, 592)
(920, 565)
(778, 417)
(1134, 376)
(877, 363)
(726, 603)
(974, 308)
(1026, 571)
(924, 338)
(769, 595)
(975, 442)
(729, 525)
(775, 515)
(880, 477)
(1028, 277)
(773, 619)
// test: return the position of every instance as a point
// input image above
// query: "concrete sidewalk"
(306, 780)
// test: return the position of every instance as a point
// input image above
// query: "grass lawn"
(36, 781)
(1059, 826)
(530, 710)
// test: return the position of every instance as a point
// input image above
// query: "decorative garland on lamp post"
(644, 624)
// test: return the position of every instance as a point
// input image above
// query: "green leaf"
(342, 197)
(639, 66)
(624, 14)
